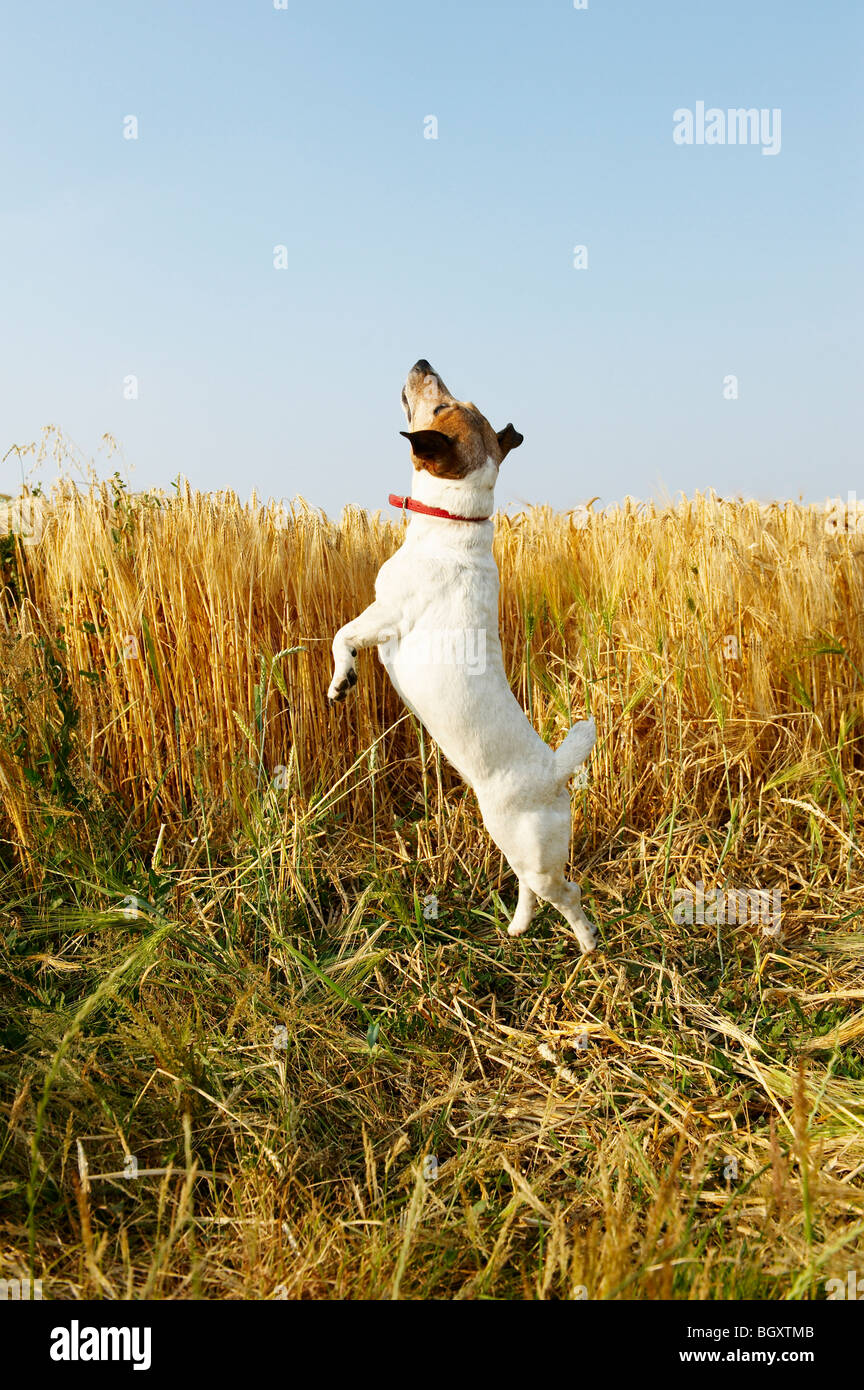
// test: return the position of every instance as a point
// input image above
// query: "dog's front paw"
(340, 685)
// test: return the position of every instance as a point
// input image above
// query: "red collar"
(410, 505)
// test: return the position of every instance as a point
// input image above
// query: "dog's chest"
(439, 586)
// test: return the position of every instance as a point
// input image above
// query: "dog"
(442, 583)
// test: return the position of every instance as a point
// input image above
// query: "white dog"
(436, 601)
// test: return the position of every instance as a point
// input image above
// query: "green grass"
(296, 1170)
(219, 955)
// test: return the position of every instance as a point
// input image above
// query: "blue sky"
(304, 127)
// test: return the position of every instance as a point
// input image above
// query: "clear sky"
(303, 127)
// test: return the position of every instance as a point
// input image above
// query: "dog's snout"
(422, 392)
(423, 380)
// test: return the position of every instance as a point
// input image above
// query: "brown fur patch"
(472, 440)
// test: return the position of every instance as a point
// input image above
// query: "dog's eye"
(437, 408)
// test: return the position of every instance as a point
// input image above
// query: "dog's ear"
(432, 446)
(508, 439)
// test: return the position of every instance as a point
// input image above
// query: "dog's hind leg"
(524, 910)
(535, 843)
(567, 897)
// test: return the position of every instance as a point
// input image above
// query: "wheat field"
(263, 1034)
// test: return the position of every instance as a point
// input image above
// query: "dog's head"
(449, 438)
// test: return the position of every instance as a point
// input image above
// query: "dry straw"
(681, 1115)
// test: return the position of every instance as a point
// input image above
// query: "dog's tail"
(575, 749)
